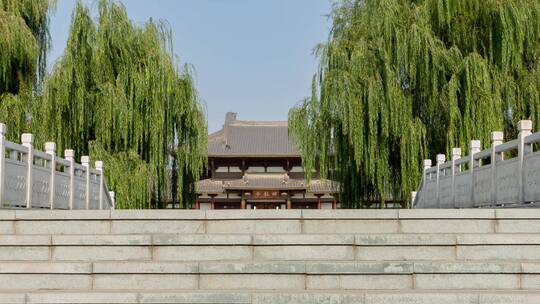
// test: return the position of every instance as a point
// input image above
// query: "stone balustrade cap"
(427, 162)
(99, 164)
(525, 125)
(441, 158)
(497, 136)
(456, 153)
(3, 129)
(85, 160)
(50, 146)
(475, 144)
(69, 153)
(27, 138)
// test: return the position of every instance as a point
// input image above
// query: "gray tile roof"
(209, 186)
(266, 181)
(251, 138)
(323, 186)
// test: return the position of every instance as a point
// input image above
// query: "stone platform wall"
(469, 256)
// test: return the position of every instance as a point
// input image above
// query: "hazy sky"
(253, 57)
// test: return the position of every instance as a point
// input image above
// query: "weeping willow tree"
(400, 81)
(24, 41)
(118, 94)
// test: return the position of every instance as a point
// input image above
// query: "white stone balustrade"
(30, 178)
(505, 175)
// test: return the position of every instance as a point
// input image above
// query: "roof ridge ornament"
(285, 178)
(229, 118)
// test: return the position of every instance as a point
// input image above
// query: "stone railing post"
(3, 131)
(456, 154)
(427, 166)
(496, 139)
(413, 197)
(525, 129)
(85, 161)
(69, 155)
(112, 195)
(441, 158)
(99, 167)
(27, 140)
(50, 148)
(474, 147)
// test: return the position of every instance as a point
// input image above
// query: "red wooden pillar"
(289, 203)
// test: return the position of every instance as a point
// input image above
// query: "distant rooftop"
(243, 138)
(267, 181)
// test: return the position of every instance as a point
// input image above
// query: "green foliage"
(403, 80)
(118, 95)
(25, 38)
(24, 41)
(14, 111)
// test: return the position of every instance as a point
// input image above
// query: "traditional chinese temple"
(256, 165)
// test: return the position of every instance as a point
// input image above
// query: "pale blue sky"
(253, 57)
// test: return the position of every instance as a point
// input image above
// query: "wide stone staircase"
(467, 256)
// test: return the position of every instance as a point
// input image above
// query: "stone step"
(235, 252)
(291, 280)
(388, 239)
(270, 226)
(277, 297)
(269, 253)
(269, 221)
(170, 214)
(274, 267)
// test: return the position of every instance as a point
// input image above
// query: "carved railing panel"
(504, 175)
(531, 165)
(30, 178)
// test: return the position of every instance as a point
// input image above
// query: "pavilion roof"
(241, 138)
(267, 181)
